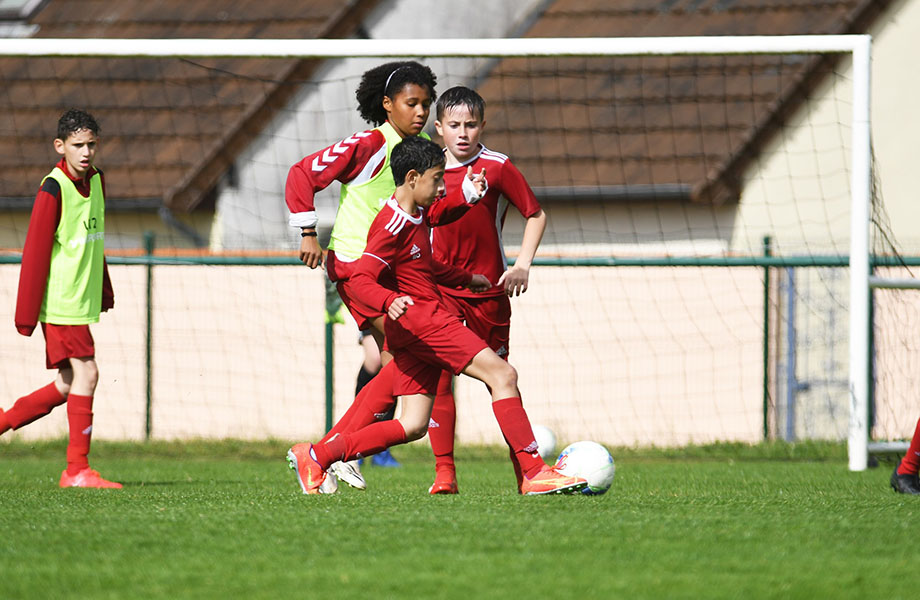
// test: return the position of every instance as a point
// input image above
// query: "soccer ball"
(546, 441)
(591, 461)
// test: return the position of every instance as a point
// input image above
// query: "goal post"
(857, 47)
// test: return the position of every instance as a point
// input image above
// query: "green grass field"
(227, 520)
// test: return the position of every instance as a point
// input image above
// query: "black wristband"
(307, 234)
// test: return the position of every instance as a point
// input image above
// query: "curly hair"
(75, 120)
(388, 80)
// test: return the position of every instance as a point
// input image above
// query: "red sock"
(518, 474)
(379, 401)
(32, 407)
(910, 464)
(515, 426)
(442, 425)
(370, 440)
(374, 398)
(80, 423)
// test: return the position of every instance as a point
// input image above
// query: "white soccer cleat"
(330, 484)
(349, 472)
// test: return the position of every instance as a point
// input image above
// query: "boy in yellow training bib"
(64, 285)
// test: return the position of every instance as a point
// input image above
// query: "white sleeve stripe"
(378, 258)
(396, 223)
(493, 155)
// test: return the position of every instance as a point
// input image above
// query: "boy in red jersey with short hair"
(475, 244)
(64, 284)
(397, 275)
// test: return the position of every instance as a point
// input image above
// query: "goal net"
(695, 283)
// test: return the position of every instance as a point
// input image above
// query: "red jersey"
(474, 242)
(397, 261)
(36, 254)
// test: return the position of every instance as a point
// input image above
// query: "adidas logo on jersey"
(333, 152)
(416, 252)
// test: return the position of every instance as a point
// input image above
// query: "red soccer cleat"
(310, 474)
(87, 478)
(444, 483)
(551, 481)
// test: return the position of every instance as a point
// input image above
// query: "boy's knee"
(509, 375)
(87, 374)
(415, 430)
(92, 374)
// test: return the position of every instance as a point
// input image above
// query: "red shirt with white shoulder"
(397, 261)
(474, 242)
(355, 159)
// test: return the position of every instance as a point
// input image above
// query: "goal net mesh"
(652, 317)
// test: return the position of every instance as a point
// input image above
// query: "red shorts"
(419, 363)
(67, 341)
(339, 273)
(489, 317)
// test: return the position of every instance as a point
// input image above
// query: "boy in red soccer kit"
(398, 276)
(64, 285)
(475, 244)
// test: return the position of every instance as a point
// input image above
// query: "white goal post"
(856, 46)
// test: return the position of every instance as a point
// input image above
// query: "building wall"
(895, 127)
(123, 230)
(811, 209)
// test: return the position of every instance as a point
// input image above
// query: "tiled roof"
(659, 126)
(170, 128)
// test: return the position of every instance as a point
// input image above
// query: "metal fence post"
(149, 244)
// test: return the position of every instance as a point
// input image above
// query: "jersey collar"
(469, 161)
(415, 220)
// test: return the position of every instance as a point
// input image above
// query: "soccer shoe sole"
(292, 463)
(347, 472)
(569, 489)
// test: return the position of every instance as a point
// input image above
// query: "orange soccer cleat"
(87, 478)
(444, 483)
(551, 481)
(310, 474)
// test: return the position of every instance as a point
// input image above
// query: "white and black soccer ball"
(546, 441)
(591, 461)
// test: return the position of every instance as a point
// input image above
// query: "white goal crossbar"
(857, 46)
